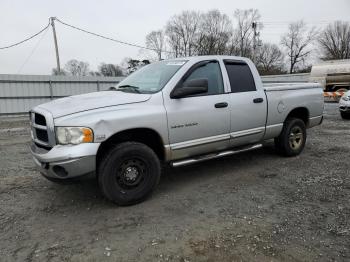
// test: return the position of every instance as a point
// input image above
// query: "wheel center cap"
(131, 173)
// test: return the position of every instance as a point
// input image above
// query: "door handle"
(221, 105)
(258, 100)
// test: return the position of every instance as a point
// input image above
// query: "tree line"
(193, 33)
(214, 33)
(75, 67)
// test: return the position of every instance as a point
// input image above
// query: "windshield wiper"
(130, 87)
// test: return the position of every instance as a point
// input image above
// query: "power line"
(27, 39)
(109, 38)
(33, 50)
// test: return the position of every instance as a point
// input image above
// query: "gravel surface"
(256, 206)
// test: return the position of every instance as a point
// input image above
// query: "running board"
(189, 161)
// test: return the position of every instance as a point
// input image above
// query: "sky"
(128, 21)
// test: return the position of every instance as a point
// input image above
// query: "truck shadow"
(173, 179)
(211, 169)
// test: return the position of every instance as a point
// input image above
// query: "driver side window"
(212, 72)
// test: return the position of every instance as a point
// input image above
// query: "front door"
(200, 123)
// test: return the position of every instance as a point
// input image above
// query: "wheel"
(345, 115)
(128, 173)
(292, 140)
(65, 181)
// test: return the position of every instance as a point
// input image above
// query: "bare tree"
(130, 65)
(334, 41)
(215, 31)
(297, 42)
(77, 68)
(269, 59)
(244, 32)
(110, 70)
(182, 31)
(95, 73)
(156, 41)
(55, 72)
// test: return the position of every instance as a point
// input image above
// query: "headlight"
(74, 135)
(345, 98)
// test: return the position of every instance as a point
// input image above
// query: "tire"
(291, 141)
(345, 115)
(128, 173)
(63, 181)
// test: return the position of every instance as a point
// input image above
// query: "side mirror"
(190, 87)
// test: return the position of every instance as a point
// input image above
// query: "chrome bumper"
(66, 161)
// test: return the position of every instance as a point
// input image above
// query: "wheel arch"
(301, 113)
(147, 136)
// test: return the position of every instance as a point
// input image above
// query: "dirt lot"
(256, 206)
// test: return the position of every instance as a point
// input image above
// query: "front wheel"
(128, 173)
(292, 140)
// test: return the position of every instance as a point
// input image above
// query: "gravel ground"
(255, 206)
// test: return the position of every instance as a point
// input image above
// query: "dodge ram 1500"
(177, 112)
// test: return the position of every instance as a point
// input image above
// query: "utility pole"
(55, 41)
(255, 37)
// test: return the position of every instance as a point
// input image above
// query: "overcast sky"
(128, 21)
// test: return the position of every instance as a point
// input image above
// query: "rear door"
(248, 105)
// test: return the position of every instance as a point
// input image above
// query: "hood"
(79, 103)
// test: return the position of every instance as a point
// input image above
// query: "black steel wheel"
(128, 173)
(131, 173)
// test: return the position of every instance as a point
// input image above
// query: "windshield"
(151, 78)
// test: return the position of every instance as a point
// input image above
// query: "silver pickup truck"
(177, 112)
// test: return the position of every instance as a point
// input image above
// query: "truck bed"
(289, 86)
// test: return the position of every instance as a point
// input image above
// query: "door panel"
(248, 105)
(201, 123)
(247, 118)
(198, 127)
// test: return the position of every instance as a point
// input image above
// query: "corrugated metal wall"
(19, 93)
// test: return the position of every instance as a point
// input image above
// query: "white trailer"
(333, 75)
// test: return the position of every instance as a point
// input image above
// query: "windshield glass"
(151, 78)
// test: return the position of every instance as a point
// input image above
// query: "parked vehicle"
(176, 112)
(333, 75)
(344, 106)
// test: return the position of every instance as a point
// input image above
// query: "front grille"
(41, 130)
(39, 119)
(42, 135)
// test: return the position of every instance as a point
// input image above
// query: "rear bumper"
(66, 161)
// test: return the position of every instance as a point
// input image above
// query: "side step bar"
(189, 161)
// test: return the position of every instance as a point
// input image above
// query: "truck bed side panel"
(282, 102)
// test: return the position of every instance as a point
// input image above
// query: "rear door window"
(240, 76)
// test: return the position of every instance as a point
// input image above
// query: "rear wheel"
(292, 140)
(345, 115)
(128, 173)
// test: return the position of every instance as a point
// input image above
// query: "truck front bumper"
(66, 161)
